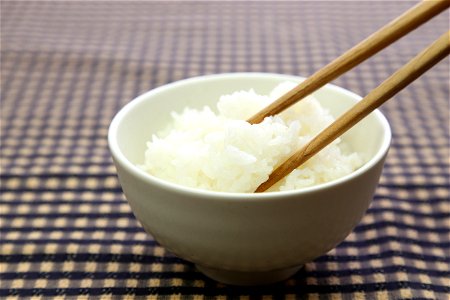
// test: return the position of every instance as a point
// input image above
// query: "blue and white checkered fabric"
(68, 66)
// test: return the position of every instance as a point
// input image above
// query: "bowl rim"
(120, 158)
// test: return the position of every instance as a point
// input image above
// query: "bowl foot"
(248, 278)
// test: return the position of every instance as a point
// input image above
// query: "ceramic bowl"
(238, 238)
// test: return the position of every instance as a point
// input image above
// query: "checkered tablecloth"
(68, 66)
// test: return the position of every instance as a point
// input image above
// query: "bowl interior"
(141, 118)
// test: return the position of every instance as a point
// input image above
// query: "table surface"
(68, 66)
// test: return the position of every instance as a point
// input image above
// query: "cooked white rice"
(222, 152)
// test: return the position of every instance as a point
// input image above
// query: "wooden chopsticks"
(379, 40)
(396, 82)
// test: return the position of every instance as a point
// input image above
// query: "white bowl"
(239, 238)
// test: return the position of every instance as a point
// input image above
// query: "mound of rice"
(222, 152)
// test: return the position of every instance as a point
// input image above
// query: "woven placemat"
(68, 66)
